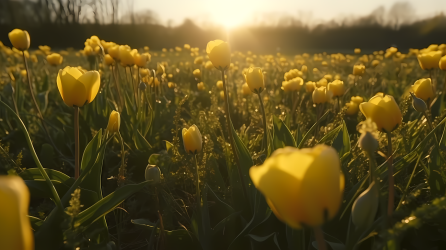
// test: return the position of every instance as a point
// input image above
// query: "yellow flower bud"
(442, 63)
(429, 60)
(198, 60)
(245, 89)
(77, 86)
(88, 50)
(187, 46)
(171, 85)
(254, 79)
(303, 195)
(310, 86)
(352, 108)
(219, 53)
(222, 94)
(336, 87)
(114, 122)
(365, 207)
(200, 86)
(15, 229)
(126, 56)
(46, 49)
(357, 51)
(384, 111)
(197, 73)
(159, 69)
(358, 70)
(424, 89)
(208, 65)
(375, 63)
(321, 95)
(54, 59)
(153, 174)
(108, 60)
(294, 84)
(19, 39)
(357, 99)
(141, 60)
(322, 82)
(192, 139)
(220, 84)
(114, 52)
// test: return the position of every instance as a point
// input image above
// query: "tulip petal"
(91, 81)
(374, 112)
(72, 91)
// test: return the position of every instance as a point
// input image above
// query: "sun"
(229, 13)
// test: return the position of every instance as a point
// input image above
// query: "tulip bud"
(197, 73)
(368, 142)
(375, 63)
(198, 60)
(200, 86)
(114, 122)
(337, 87)
(293, 85)
(321, 95)
(208, 65)
(187, 46)
(310, 86)
(220, 84)
(254, 79)
(19, 39)
(108, 60)
(15, 229)
(352, 108)
(384, 111)
(357, 51)
(192, 139)
(442, 63)
(54, 59)
(77, 86)
(219, 53)
(424, 89)
(142, 86)
(153, 174)
(357, 99)
(358, 70)
(418, 103)
(365, 207)
(429, 60)
(245, 89)
(159, 69)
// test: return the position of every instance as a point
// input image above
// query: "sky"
(231, 13)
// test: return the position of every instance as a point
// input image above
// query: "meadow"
(113, 147)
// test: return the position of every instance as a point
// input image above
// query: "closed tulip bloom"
(113, 51)
(46, 49)
(222, 94)
(153, 174)
(208, 65)
(357, 51)
(375, 63)
(303, 194)
(254, 79)
(114, 122)
(336, 87)
(245, 89)
(424, 89)
(160, 69)
(19, 39)
(15, 229)
(352, 108)
(429, 60)
(192, 139)
(321, 95)
(322, 82)
(54, 59)
(141, 60)
(88, 50)
(357, 99)
(197, 73)
(77, 86)
(187, 46)
(219, 53)
(358, 70)
(384, 111)
(198, 60)
(294, 84)
(108, 60)
(126, 56)
(442, 63)
(200, 86)
(365, 207)
(220, 84)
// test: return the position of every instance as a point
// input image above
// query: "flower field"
(113, 147)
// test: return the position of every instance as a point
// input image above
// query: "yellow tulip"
(254, 79)
(200, 86)
(310, 86)
(336, 87)
(321, 95)
(329, 77)
(303, 194)
(375, 63)
(304, 69)
(352, 108)
(114, 122)
(77, 86)
(365, 207)
(358, 70)
(108, 60)
(15, 229)
(46, 49)
(20, 39)
(114, 52)
(357, 51)
(220, 84)
(192, 139)
(141, 60)
(294, 84)
(442, 63)
(171, 85)
(424, 89)
(126, 56)
(222, 95)
(208, 65)
(384, 111)
(88, 50)
(245, 89)
(187, 46)
(357, 99)
(197, 73)
(54, 59)
(429, 60)
(144, 72)
(219, 53)
(198, 60)
(322, 83)
(146, 48)
(160, 69)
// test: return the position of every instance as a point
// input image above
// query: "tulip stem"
(197, 185)
(319, 235)
(232, 141)
(265, 131)
(76, 143)
(121, 101)
(135, 89)
(391, 180)
(121, 176)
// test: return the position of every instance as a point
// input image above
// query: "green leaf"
(39, 188)
(297, 134)
(140, 142)
(91, 151)
(35, 222)
(435, 179)
(331, 135)
(308, 134)
(342, 141)
(176, 239)
(267, 242)
(107, 204)
(54, 175)
(282, 135)
(295, 238)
